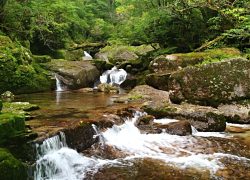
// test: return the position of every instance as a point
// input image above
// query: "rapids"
(124, 146)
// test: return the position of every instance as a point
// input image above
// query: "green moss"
(160, 112)
(41, 58)
(11, 125)
(10, 167)
(135, 96)
(1, 105)
(18, 71)
(19, 106)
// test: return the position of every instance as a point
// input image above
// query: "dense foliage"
(180, 25)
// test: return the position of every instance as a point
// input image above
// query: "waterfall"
(55, 161)
(59, 86)
(113, 76)
(86, 56)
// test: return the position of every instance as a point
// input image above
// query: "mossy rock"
(212, 84)
(41, 58)
(11, 125)
(19, 107)
(18, 71)
(10, 167)
(173, 62)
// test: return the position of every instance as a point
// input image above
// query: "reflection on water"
(67, 99)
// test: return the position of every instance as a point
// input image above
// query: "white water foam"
(165, 121)
(56, 161)
(113, 76)
(86, 56)
(59, 86)
(195, 132)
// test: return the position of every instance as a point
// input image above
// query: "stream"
(123, 152)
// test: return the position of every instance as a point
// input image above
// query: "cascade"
(114, 76)
(59, 86)
(86, 56)
(57, 161)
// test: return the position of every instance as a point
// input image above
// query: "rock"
(236, 113)
(10, 167)
(18, 70)
(7, 96)
(129, 83)
(144, 93)
(181, 128)
(80, 137)
(107, 88)
(145, 120)
(213, 83)
(74, 74)
(102, 65)
(201, 117)
(10, 126)
(158, 80)
(174, 62)
(84, 90)
(117, 54)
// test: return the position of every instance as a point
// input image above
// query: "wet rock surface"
(236, 113)
(202, 118)
(74, 74)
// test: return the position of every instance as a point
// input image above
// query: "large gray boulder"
(74, 74)
(213, 83)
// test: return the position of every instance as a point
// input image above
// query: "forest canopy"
(177, 25)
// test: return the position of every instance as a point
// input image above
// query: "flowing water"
(125, 153)
(114, 76)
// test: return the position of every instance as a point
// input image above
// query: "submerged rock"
(213, 83)
(74, 74)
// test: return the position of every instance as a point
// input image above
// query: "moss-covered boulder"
(18, 71)
(10, 167)
(10, 126)
(174, 62)
(74, 74)
(119, 54)
(212, 83)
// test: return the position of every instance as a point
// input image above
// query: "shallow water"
(125, 153)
